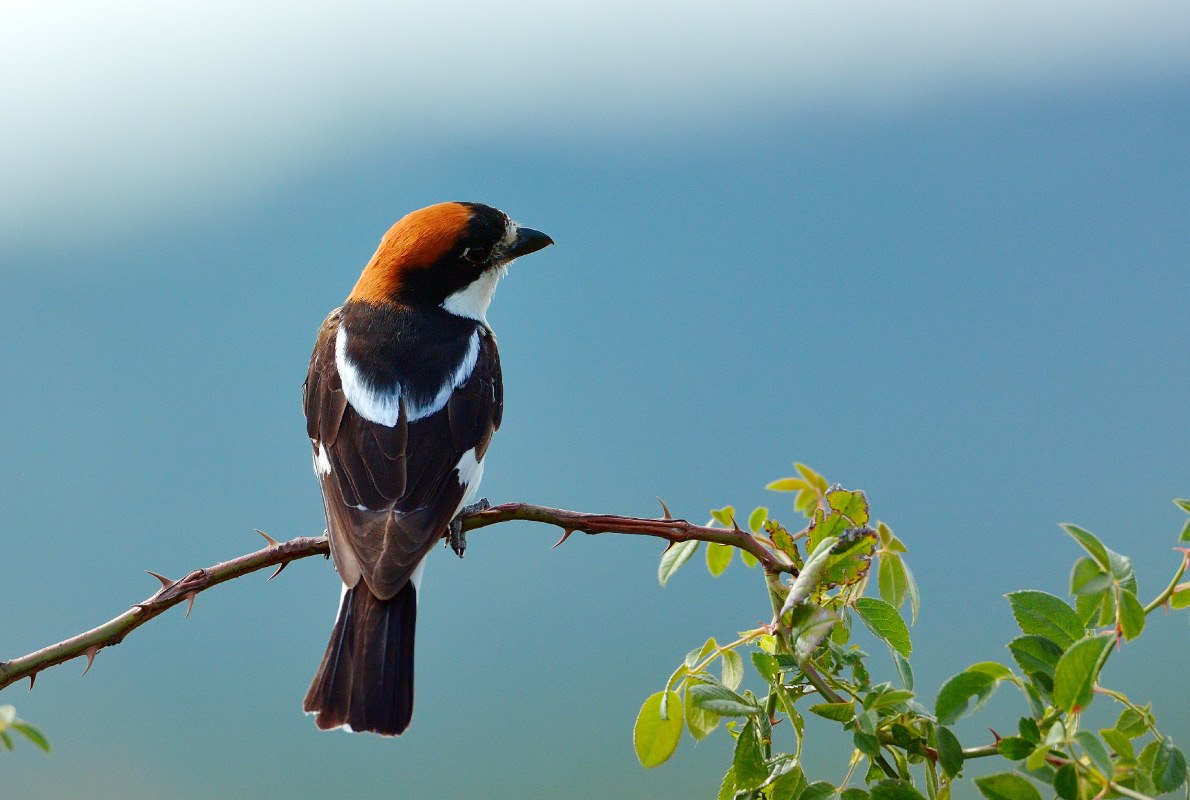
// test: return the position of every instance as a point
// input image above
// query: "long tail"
(365, 681)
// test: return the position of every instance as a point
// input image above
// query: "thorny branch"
(279, 554)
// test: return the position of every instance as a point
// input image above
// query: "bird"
(401, 399)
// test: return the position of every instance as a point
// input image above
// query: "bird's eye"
(476, 255)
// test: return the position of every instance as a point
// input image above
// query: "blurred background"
(937, 251)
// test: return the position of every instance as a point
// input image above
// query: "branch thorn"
(565, 535)
(165, 582)
(190, 606)
(272, 542)
(665, 508)
(90, 653)
(280, 567)
(32, 679)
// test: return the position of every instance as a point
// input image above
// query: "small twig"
(171, 594)
(1163, 598)
(278, 555)
(672, 530)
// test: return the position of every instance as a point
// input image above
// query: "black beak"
(527, 241)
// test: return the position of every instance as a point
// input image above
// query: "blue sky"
(939, 255)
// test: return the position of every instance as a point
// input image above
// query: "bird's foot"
(457, 538)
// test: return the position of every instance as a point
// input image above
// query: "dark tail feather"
(366, 677)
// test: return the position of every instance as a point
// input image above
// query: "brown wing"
(390, 492)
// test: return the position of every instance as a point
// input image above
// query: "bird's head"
(450, 254)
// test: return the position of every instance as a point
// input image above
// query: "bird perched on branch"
(401, 400)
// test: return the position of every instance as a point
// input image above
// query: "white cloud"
(112, 108)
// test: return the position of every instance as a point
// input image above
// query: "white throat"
(472, 301)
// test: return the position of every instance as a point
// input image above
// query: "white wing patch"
(322, 462)
(470, 474)
(384, 407)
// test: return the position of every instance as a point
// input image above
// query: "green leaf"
(718, 557)
(854, 793)
(992, 668)
(1088, 577)
(1119, 742)
(699, 721)
(1007, 786)
(1087, 606)
(1169, 766)
(675, 556)
(1121, 570)
(1183, 504)
(853, 505)
(891, 697)
(884, 621)
(839, 712)
(824, 527)
(7, 714)
(818, 790)
(813, 477)
(1181, 596)
(788, 485)
(1066, 782)
(733, 669)
(806, 502)
(1042, 614)
(724, 516)
(950, 752)
(756, 519)
(851, 558)
(1107, 608)
(1132, 615)
(914, 594)
(784, 542)
(1095, 751)
(957, 692)
(904, 671)
(789, 786)
(1089, 543)
(894, 585)
(1016, 748)
(809, 625)
(866, 743)
(1078, 670)
(1035, 654)
(749, 560)
(1029, 730)
(32, 734)
(1185, 537)
(655, 738)
(1133, 724)
(748, 761)
(893, 789)
(721, 700)
(699, 654)
(727, 787)
(766, 666)
(1036, 759)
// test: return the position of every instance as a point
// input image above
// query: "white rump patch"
(384, 407)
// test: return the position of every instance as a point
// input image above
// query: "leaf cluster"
(807, 663)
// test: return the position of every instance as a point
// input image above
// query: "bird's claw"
(457, 537)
